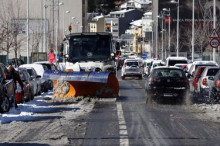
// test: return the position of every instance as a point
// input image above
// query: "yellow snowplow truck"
(87, 68)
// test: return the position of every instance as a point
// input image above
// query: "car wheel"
(4, 104)
(148, 98)
(122, 77)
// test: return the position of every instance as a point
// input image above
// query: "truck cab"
(88, 52)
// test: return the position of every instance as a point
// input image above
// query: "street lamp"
(45, 17)
(177, 28)
(58, 25)
(27, 31)
(193, 23)
(214, 25)
(168, 10)
(66, 12)
(162, 30)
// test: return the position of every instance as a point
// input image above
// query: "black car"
(7, 89)
(166, 83)
(215, 87)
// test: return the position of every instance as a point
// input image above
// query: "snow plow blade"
(73, 84)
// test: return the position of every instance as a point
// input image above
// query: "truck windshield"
(89, 48)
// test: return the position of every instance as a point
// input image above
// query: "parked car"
(171, 61)
(195, 79)
(166, 83)
(196, 64)
(205, 81)
(181, 65)
(7, 89)
(156, 63)
(35, 78)
(215, 89)
(147, 65)
(28, 89)
(39, 68)
(132, 68)
(49, 66)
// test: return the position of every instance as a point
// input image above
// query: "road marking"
(124, 141)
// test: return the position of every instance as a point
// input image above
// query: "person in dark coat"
(16, 78)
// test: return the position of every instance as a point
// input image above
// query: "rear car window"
(212, 72)
(132, 63)
(168, 73)
(173, 62)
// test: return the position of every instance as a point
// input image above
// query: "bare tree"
(202, 29)
(10, 11)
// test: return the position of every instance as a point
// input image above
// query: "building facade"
(120, 21)
(48, 22)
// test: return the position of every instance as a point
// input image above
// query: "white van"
(171, 61)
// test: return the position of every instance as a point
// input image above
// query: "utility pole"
(214, 25)
(28, 32)
(177, 29)
(169, 34)
(193, 27)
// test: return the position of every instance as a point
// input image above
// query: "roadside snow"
(43, 107)
(208, 111)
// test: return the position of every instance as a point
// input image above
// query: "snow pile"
(211, 111)
(43, 107)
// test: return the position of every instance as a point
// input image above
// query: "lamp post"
(66, 12)
(193, 23)
(168, 10)
(177, 28)
(162, 48)
(27, 31)
(45, 17)
(214, 25)
(57, 26)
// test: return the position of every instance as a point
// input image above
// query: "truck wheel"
(4, 104)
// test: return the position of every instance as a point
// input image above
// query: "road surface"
(128, 121)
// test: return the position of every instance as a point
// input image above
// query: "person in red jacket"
(51, 57)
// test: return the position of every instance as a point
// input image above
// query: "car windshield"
(168, 73)
(212, 72)
(85, 48)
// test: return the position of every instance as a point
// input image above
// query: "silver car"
(36, 79)
(132, 68)
(206, 80)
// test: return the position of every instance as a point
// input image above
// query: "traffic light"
(108, 27)
(70, 28)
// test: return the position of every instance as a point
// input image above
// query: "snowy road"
(128, 121)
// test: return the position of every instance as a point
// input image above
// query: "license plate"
(167, 94)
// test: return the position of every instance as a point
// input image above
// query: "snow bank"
(208, 111)
(43, 108)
